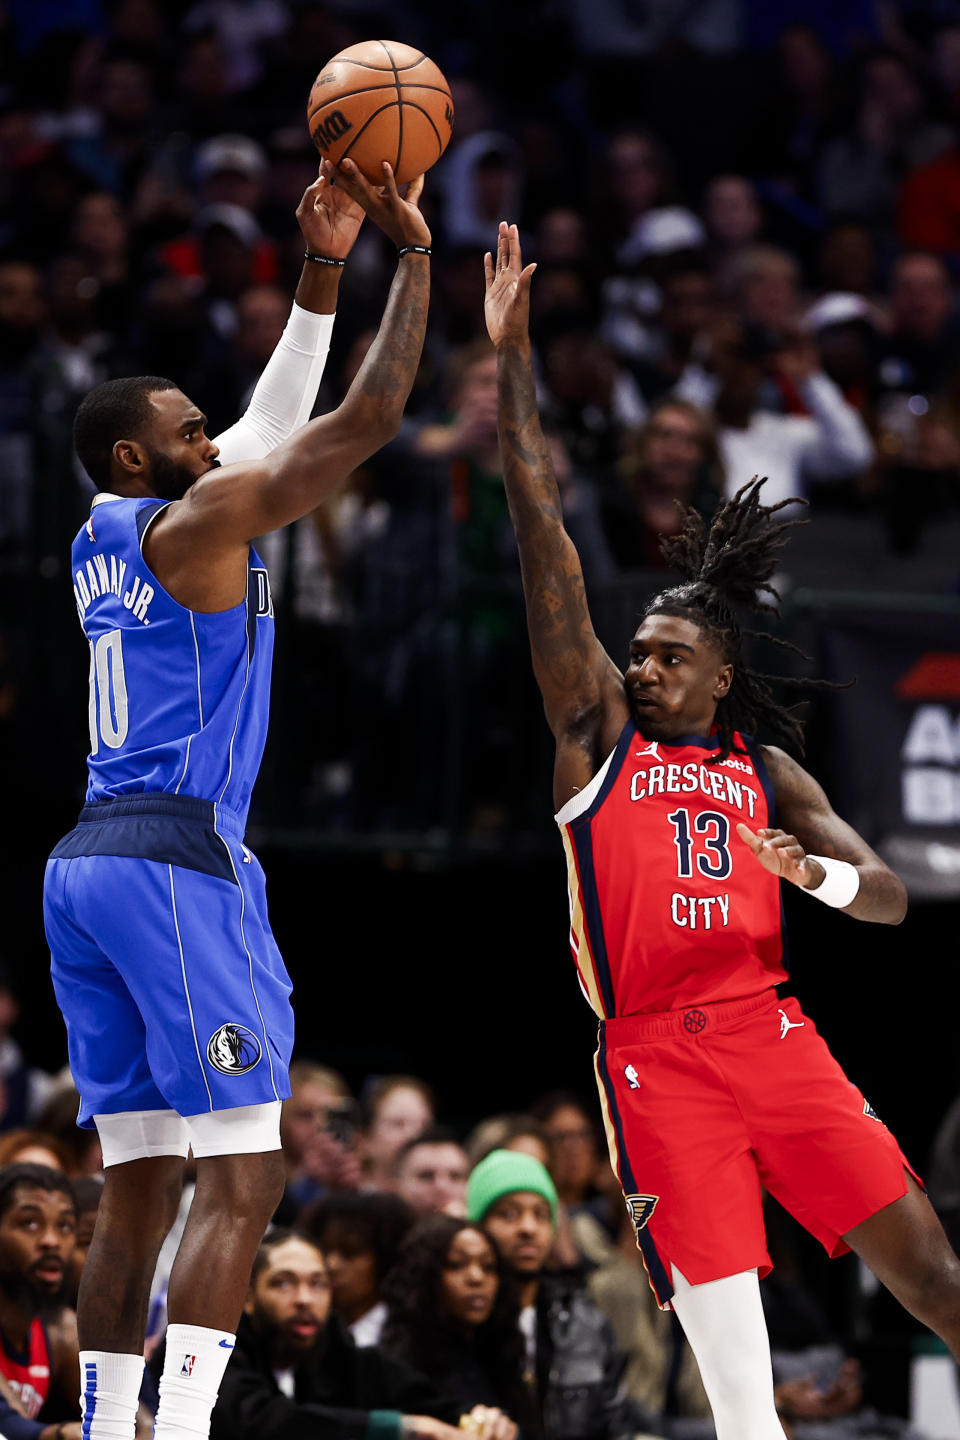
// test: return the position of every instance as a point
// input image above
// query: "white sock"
(110, 1394)
(192, 1370)
(724, 1322)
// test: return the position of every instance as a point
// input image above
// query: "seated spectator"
(764, 285)
(295, 1373)
(571, 1354)
(59, 1119)
(453, 1314)
(733, 216)
(360, 1235)
(674, 457)
(825, 439)
(39, 1354)
(431, 1174)
(33, 1147)
(23, 1089)
(317, 1135)
(578, 1163)
(859, 171)
(521, 1133)
(661, 1374)
(395, 1108)
(918, 356)
(87, 1194)
(819, 1387)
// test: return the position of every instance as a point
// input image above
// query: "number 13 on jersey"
(704, 844)
(109, 720)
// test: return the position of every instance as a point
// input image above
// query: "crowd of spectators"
(416, 1280)
(746, 221)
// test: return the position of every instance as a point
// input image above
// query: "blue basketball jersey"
(179, 700)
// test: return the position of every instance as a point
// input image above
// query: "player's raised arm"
(821, 853)
(582, 688)
(227, 508)
(284, 396)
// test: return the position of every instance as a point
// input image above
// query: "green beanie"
(504, 1172)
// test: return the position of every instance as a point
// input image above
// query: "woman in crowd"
(453, 1314)
(360, 1236)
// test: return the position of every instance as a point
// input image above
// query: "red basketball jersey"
(668, 907)
(29, 1377)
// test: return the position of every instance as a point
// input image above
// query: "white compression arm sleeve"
(286, 391)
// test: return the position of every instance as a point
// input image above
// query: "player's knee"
(935, 1297)
(248, 1186)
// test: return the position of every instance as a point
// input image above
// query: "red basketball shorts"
(705, 1108)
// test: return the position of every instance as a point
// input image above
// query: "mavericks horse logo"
(234, 1050)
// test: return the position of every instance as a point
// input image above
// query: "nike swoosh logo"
(225, 1345)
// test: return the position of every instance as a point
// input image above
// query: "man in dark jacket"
(574, 1360)
(295, 1374)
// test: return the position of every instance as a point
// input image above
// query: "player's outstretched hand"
(506, 305)
(329, 218)
(398, 216)
(782, 855)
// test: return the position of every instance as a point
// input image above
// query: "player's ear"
(131, 457)
(723, 682)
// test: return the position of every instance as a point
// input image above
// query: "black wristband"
(323, 260)
(414, 250)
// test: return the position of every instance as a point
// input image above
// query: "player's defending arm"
(582, 688)
(820, 852)
(198, 545)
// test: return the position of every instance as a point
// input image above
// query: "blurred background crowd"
(418, 1278)
(747, 225)
(746, 219)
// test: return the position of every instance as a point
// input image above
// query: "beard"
(170, 481)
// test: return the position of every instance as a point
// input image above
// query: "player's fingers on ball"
(389, 183)
(415, 190)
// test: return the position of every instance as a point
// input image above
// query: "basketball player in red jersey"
(678, 830)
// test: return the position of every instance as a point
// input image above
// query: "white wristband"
(839, 885)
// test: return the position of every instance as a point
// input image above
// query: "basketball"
(381, 101)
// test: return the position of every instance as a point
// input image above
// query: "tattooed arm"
(582, 688)
(198, 545)
(812, 827)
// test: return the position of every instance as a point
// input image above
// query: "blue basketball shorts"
(164, 965)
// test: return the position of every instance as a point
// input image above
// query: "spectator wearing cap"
(231, 170)
(845, 328)
(227, 251)
(662, 246)
(572, 1359)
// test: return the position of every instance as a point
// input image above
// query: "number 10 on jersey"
(109, 721)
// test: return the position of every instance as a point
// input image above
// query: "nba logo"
(186, 1369)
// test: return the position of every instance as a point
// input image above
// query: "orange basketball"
(381, 101)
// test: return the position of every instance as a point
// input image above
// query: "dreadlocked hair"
(732, 563)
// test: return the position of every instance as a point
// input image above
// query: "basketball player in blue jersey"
(175, 997)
